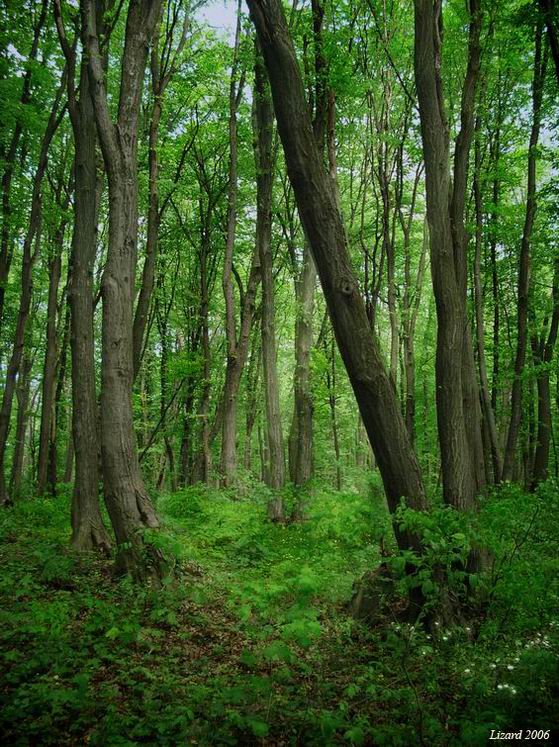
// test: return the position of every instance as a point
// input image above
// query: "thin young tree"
(264, 157)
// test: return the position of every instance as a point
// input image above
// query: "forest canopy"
(279, 381)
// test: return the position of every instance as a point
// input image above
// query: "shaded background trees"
(435, 158)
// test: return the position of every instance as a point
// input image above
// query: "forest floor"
(254, 643)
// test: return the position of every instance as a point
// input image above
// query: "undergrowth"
(254, 645)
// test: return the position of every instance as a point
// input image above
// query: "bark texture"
(524, 260)
(316, 199)
(458, 421)
(88, 530)
(31, 247)
(127, 500)
(263, 125)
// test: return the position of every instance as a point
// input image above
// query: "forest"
(279, 373)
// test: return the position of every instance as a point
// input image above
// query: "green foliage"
(252, 642)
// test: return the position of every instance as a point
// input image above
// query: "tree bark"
(411, 301)
(317, 203)
(88, 530)
(253, 393)
(447, 241)
(9, 159)
(543, 357)
(301, 434)
(61, 367)
(228, 459)
(127, 500)
(31, 246)
(549, 11)
(264, 157)
(524, 259)
(22, 395)
(50, 365)
(488, 412)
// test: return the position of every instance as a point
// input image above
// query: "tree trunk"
(446, 230)
(228, 460)
(317, 203)
(9, 159)
(253, 387)
(49, 367)
(460, 238)
(88, 530)
(411, 303)
(22, 395)
(163, 64)
(127, 500)
(301, 434)
(31, 247)
(524, 260)
(332, 401)
(52, 471)
(263, 136)
(544, 357)
(488, 412)
(551, 20)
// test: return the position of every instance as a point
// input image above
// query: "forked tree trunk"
(88, 530)
(127, 500)
(459, 433)
(316, 199)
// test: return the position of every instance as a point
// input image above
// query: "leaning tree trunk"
(317, 203)
(549, 11)
(127, 500)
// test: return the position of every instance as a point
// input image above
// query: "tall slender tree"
(127, 500)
